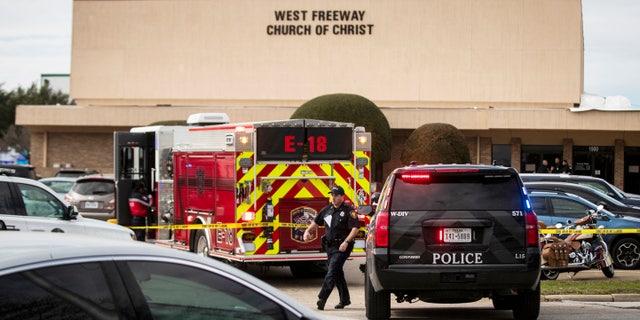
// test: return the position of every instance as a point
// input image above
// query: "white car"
(28, 205)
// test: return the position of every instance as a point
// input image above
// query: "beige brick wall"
(79, 150)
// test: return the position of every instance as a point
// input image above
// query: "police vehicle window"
(468, 192)
(76, 291)
(568, 208)
(40, 203)
(176, 292)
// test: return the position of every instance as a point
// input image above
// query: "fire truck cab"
(245, 192)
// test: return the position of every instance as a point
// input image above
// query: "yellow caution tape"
(589, 231)
(225, 226)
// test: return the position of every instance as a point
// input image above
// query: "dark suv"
(453, 234)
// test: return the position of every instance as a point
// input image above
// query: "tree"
(360, 111)
(16, 136)
(436, 143)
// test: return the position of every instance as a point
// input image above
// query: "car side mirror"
(71, 213)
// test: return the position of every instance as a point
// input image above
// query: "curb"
(630, 297)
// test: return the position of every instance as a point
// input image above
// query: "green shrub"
(435, 143)
(354, 109)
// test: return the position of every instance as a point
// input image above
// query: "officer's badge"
(341, 214)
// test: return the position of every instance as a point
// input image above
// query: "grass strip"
(585, 286)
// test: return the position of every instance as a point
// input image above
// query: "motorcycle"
(578, 251)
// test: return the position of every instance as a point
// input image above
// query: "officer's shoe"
(341, 305)
(321, 304)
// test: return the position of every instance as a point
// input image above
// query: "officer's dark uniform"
(342, 220)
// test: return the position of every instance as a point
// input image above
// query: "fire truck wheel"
(311, 269)
(202, 244)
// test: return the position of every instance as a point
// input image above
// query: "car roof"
(32, 182)
(561, 176)
(564, 185)
(70, 179)
(454, 166)
(24, 249)
(95, 177)
(572, 187)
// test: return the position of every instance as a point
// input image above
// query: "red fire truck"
(244, 192)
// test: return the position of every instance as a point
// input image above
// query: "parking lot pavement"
(305, 291)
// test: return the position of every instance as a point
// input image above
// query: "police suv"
(453, 234)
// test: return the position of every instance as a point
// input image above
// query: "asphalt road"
(556, 307)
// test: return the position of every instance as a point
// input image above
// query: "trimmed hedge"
(435, 143)
(362, 112)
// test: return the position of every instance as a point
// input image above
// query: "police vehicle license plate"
(91, 205)
(457, 235)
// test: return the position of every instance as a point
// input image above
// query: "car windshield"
(93, 187)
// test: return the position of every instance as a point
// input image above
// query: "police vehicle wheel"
(526, 304)
(377, 304)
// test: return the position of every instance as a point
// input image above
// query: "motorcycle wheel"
(549, 274)
(608, 271)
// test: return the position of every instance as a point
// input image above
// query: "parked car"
(554, 207)
(19, 170)
(94, 196)
(612, 205)
(596, 183)
(78, 277)
(28, 205)
(453, 234)
(75, 173)
(61, 185)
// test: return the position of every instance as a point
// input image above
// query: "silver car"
(76, 277)
(94, 196)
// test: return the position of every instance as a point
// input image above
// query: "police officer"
(139, 204)
(341, 227)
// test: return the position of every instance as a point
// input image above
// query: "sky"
(35, 39)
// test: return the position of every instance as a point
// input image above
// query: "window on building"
(501, 154)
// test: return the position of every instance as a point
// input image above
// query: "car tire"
(377, 304)
(526, 304)
(201, 244)
(549, 274)
(626, 254)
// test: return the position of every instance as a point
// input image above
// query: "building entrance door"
(595, 161)
(532, 156)
(632, 169)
